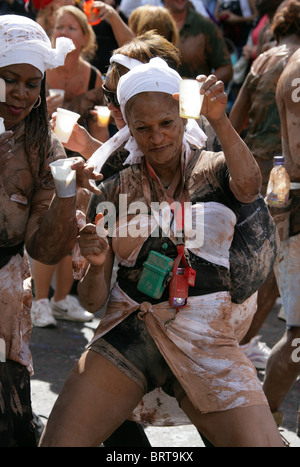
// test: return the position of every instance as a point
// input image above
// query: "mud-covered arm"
(245, 175)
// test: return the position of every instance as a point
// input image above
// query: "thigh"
(241, 427)
(96, 398)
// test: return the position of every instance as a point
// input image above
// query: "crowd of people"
(131, 55)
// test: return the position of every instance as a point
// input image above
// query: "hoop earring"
(39, 101)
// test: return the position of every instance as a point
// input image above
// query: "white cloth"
(24, 41)
(155, 76)
(124, 60)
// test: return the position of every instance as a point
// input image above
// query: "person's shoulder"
(196, 18)
(288, 87)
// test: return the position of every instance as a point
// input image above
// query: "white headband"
(25, 41)
(128, 62)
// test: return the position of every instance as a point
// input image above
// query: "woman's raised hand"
(215, 98)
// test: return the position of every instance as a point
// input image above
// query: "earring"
(39, 101)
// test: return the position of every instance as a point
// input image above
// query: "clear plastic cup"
(103, 115)
(65, 121)
(64, 177)
(2, 126)
(57, 92)
(190, 99)
(2, 90)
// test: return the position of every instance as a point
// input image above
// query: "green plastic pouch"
(156, 270)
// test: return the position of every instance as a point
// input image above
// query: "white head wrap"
(155, 76)
(124, 60)
(25, 41)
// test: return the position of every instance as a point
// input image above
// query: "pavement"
(56, 350)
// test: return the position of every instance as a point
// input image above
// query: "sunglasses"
(110, 96)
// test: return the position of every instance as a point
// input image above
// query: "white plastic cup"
(190, 99)
(103, 115)
(57, 92)
(2, 90)
(2, 126)
(64, 177)
(65, 121)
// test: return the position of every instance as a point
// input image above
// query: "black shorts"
(16, 419)
(130, 347)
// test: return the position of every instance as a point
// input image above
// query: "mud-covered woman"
(33, 218)
(144, 342)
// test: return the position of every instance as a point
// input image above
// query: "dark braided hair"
(37, 135)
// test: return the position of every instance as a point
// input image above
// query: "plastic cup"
(65, 121)
(91, 12)
(2, 126)
(64, 177)
(57, 92)
(190, 99)
(2, 90)
(103, 115)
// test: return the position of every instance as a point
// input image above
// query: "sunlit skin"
(23, 87)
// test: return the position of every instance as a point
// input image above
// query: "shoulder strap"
(93, 77)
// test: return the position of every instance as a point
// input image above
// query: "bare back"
(288, 101)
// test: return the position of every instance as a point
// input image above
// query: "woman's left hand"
(215, 98)
(85, 174)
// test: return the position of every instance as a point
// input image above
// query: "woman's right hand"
(80, 140)
(93, 247)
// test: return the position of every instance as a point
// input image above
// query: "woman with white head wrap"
(30, 214)
(146, 339)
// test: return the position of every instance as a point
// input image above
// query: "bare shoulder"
(288, 89)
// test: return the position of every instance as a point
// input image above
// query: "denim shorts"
(130, 347)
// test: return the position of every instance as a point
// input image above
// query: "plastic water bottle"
(78, 261)
(278, 189)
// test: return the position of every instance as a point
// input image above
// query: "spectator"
(111, 32)
(236, 19)
(80, 96)
(45, 15)
(157, 18)
(193, 350)
(201, 44)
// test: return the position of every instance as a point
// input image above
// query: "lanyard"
(179, 283)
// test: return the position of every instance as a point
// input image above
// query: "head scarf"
(155, 76)
(25, 41)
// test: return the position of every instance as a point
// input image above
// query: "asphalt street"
(56, 350)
